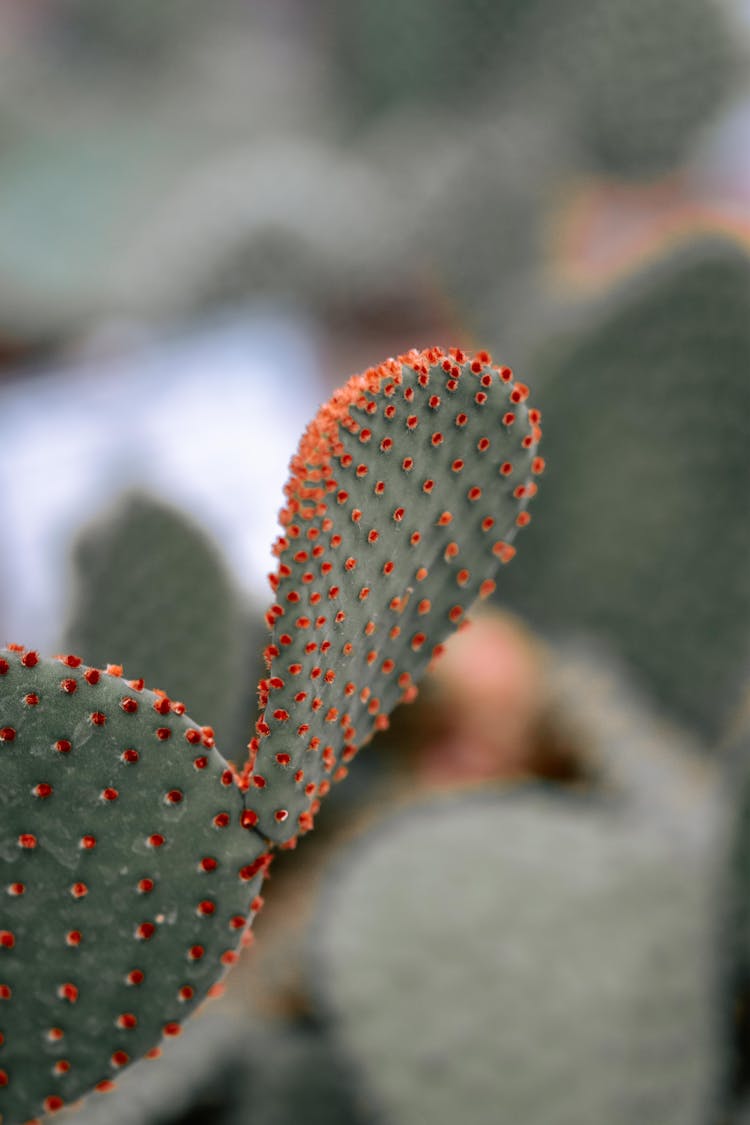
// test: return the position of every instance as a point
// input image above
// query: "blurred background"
(212, 215)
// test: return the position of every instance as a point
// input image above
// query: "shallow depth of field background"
(210, 216)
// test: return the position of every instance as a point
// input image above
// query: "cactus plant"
(644, 78)
(129, 871)
(134, 32)
(580, 936)
(230, 1071)
(391, 559)
(637, 80)
(131, 852)
(648, 544)
(200, 1073)
(150, 591)
(536, 957)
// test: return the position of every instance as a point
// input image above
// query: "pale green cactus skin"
(644, 517)
(151, 591)
(526, 957)
(633, 83)
(128, 873)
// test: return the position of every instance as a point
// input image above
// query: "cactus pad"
(668, 472)
(404, 497)
(126, 876)
(151, 591)
(523, 957)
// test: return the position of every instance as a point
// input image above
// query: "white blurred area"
(207, 420)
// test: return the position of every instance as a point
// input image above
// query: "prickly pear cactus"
(128, 870)
(648, 533)
(233, 1071)
(643, 78)
(131, 854)
(203, 1070)
(527, 957)
(455, 44)
(637, 80)
(152, 592)
(404, 498)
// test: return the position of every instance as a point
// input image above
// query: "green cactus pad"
(151, 591)
(646, 515)
(523, 959)
(404, 496)
(635, 80)
(644, 77)
(127, 875)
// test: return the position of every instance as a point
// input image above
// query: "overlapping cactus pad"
(126, 875)
(151, 590)
(523, 959)
(404, 497)
(131, 853)
(678, 611)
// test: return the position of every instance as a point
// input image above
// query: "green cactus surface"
(638, 80)
(646, 517)
(522, 958)
(232, 1071)
(735, 922)
(151, 591)
(404, 498)
(643, 77)
(126, 874)
(131, 853)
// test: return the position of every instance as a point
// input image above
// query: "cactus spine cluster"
(131, 852)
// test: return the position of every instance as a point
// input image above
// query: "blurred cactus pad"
(637, 79)
(522, 958)
(129, 873)
(152, 592)
(644, 77)
(643, 533)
